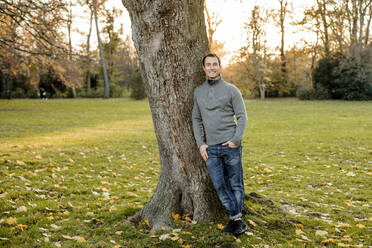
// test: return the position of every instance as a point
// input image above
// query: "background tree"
(212, 24)
(170, 51)
(101, 53)
(254, 55)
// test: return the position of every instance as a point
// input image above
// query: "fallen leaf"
(80, 239)
(329, 241)
(175, 216)
(20, 227)
(38, 157)
(21, 209)
(321, 233)
(11, 221)
(119, 232)
(252, 222)
(299, 232)
(20, 162)
(147, 223)
(3, 195)
(164, 236)
(220, 226)
(360, 226)
(343, 245)
(131, 194)
(174, 238)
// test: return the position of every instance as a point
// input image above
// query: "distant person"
(43, 94)
(216, 102)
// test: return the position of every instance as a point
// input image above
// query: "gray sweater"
(213, 113)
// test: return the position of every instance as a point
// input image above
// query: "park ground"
(72, 172)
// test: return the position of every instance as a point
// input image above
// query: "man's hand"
(230, 144)
(203, 152)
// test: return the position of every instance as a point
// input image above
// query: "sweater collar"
(215, 81)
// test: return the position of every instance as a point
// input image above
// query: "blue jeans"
(225, 170)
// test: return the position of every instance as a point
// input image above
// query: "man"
(216, 102)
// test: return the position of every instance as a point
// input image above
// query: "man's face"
(211, 67)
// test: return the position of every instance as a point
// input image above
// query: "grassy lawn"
(72, 171)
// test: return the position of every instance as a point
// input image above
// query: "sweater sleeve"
(241, 115)
(197, 123)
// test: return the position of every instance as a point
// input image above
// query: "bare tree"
(102, 56)
(69, 24)
(282, 15)
(213, 21)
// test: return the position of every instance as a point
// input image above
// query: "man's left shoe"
(239, 227)
(229, 228)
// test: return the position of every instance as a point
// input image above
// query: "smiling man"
(219, 137)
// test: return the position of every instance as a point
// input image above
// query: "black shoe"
(239, 227)
(229, 228)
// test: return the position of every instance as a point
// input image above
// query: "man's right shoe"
(239, 227)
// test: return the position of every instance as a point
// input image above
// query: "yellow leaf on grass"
(131, 194)
(11, 221)
(20, 162)
(147, 223)
(329, 241)
(299, 232)
(343, 245)
(38, 157)
(220, 226)
(360, 226)
(175, 216)
(117, 246)
(186, 246)
(252, 222)
(80, 239)
(20, 227)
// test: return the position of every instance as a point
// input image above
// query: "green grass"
(72, 171)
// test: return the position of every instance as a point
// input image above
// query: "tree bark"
(170, 39)
(102, 56)
(283, 12)
(88, 50)
(69, 23)
(366, 38)
(322, 6)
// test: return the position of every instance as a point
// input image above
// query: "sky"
(233, 13)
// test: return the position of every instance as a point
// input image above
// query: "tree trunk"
(170, 39)
(283, 12)
(88, 51)
(102, 56)
(3, 85)
(69, 23)
(366, 37)
(323, 13)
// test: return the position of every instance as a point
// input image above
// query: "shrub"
(116, 90)
(305, 93)
(138, 89)
(321, 93)
(32, 93)
(19, 93)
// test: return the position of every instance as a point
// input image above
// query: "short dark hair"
(211, 55)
